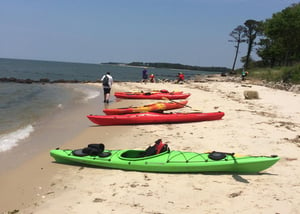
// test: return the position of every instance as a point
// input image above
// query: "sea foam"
(89, 93)
(10, 140)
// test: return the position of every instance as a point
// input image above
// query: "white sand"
(266, 126)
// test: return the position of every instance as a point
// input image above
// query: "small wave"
(8, 141)
(89, 93)
(60, 106)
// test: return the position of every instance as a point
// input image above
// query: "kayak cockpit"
(132, 154)
(138, 154)
(157, 149)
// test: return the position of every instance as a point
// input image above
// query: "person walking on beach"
(144, 75)
(107, 82)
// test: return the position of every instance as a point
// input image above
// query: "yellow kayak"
(155, 107)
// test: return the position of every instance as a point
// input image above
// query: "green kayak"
(159, 158)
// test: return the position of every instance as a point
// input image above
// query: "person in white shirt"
(107, 82)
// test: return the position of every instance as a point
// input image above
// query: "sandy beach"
(269, 125)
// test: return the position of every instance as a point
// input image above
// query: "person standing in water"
(107, 82)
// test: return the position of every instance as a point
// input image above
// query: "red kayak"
(152, 91)
(160, 106)
(152, 118)
(152, 95)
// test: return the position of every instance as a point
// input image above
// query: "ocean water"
(37, 70)
(23, 106)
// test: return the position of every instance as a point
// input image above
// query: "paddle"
(165, 98)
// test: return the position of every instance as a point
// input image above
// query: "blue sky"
(192, 32)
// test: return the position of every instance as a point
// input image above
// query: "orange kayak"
(160, 106)
(149, 95)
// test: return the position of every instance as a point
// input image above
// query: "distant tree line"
(277, 39)
(178, 66)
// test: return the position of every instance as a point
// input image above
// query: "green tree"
(269, 52)
(283, 29)
(252, 29)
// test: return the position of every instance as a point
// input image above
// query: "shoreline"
(196, 78)
(36, 159)
(257, 127)
(45, 130)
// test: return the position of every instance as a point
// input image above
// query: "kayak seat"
(157, 148)
(164, 91)
(149, 151)
(92, 150)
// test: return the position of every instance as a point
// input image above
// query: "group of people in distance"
(145, 76)
(180, 77)
(107, 81)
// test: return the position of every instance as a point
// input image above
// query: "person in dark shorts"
(107, 82)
